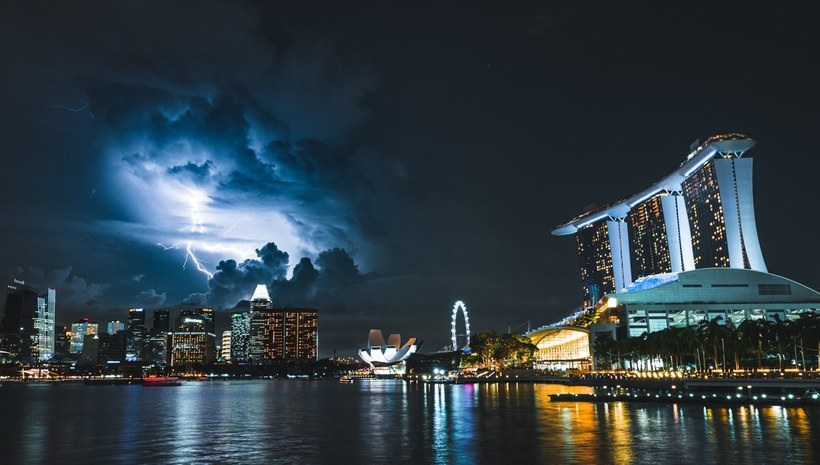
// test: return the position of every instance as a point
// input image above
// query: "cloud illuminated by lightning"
(201, 217)
(220, 181)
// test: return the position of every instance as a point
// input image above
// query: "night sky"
(378, 160)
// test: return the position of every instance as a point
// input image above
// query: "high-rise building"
(62, 339)
(280, 334)
(699, 216)
(647, 239)
(260, 304)
(137, 334)
(162, 322)
(195, 320)
(192, 347)
(44, 324)
(103, 348)
(274, 334)
(156, 351)
(285, 334)
(18, 333)
(240, 336)
(225, 348)
(136, 318)
(115, 327)
(594, 259)
(193, 339)
(79, 330)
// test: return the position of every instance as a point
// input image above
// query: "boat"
(345, 379)
(156, 381)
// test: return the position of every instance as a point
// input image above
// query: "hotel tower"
(699, 216)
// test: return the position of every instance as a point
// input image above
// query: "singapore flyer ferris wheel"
(454, 334)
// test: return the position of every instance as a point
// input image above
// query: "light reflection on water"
(383, 421)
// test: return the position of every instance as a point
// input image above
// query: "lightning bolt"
(84, 106)
(196, 200)
(233, 226)
(190, 254)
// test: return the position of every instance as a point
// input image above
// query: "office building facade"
(137, 334)
(193, 340)
(280, 334)
(195, 347)
(18, 328)
(44, 324)
(240, 336)
(79, 330)
(225, 346)
(115, 327)
(284, 335)
(162, 322)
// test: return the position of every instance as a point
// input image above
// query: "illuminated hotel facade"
(699, 216)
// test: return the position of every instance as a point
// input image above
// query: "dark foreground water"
(377, 422)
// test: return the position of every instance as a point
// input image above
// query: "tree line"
(491, 349)
(751, 345)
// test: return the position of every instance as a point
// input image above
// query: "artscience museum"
(387, 357)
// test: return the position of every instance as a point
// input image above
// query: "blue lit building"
(727, 294)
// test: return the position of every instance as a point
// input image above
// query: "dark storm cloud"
(307, 286)
(197, 172)
(301, 288)
(338, 269)
(72, 290)
(149, 299)
(234, 281)
(255, 114)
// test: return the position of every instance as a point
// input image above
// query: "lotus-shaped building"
(379, 354)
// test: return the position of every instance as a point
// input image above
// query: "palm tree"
(732, 336)
(780, 332)
(603, 345)
(712, 333)
(686, 343)
(753, 335)
(807, 330)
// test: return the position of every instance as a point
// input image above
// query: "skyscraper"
(162, 322)
(192, 347)
(257, 335)
(137, 334)
(18, 331)
(280, 334)
(699, 216)
(195, 319)
(225, 347)
(115, 327)
(289, 334)
(79, 330)
(193, 339)
(44, 324)
(62, 339)
(647, 239)
(594, 259)
(240, 336)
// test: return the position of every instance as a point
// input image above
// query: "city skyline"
(413, 166)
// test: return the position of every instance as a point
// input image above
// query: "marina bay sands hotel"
(699, 216)
(679, 253)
